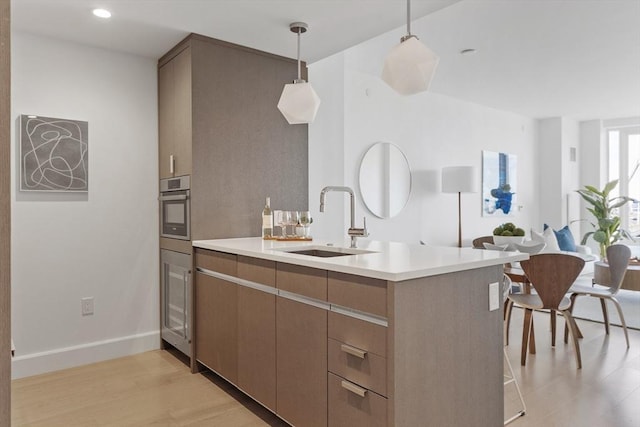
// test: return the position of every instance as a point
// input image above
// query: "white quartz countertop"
(393, 261)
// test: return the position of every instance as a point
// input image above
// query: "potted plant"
(606, 228)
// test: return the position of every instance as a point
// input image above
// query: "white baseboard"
(68, 357)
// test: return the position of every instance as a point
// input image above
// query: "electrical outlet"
(87, 306)
(494, 296)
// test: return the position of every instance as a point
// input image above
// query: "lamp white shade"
(459, 179)
(409, 67)
(299, 103)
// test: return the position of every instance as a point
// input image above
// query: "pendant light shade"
(299, 102)
(410, 66)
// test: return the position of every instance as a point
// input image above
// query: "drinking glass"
(305, 218)
(282, 219)
(305, 221)
(293, 218)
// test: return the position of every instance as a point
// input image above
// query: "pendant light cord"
(408, 17)
(299, 53)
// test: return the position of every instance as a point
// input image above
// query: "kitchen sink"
(325, 251)
(319, 253)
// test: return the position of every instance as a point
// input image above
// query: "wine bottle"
(267, 221)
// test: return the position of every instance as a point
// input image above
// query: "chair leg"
(526, 329)
(532, 337)
(552, 317)
(624, 324)
(573, 298)
(605, 314)
(572, 328)
(507, 323)
(512, 379)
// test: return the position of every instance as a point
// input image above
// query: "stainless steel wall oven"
(175, 208)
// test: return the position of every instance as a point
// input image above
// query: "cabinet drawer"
(358, 365)
(310, 282)
(358, 333)
(361, 293)
(257, 270)
(347, 408)
(216, 261)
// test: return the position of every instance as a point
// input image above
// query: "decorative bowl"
(507, 240)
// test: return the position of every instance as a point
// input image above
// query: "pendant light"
(410, 65)
(299, 102)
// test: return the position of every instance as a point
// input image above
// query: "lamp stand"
(459, 220)
(459, 179)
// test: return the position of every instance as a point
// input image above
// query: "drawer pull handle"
(353, 351)
(354, 388)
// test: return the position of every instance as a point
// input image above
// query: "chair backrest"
(552, 275)
(477, 242)
(618, 259)
(506, 283)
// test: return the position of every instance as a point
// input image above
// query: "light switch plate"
(87, 306)
(494, 296)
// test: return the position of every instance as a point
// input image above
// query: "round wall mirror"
(385, 179)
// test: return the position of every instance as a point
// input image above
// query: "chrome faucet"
(353, 231)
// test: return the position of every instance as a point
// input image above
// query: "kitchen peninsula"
(389, 334)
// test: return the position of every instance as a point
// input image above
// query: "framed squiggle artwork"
(53, 154)
(499, 179)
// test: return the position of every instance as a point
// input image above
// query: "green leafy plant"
(606, 228)
(508, 229)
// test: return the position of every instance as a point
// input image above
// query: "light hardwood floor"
(157, 389)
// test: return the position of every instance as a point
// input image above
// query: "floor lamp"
(459, 179)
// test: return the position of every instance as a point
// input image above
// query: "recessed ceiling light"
(469, 51)
(102, 13)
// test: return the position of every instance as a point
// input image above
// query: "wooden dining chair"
(551, 275)
(517, 275)
(477, 243)
(618, 259)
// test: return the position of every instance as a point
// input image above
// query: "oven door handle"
(170, 198)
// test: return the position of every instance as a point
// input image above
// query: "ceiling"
(538, 58)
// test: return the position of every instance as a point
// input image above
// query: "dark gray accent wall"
(243, 148)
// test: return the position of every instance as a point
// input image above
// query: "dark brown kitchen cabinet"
(218, 118)
(301, 363)
(174, 116)
(216, 329)
(257, 345)
(218, 122)
(349, 350)
(257, 331)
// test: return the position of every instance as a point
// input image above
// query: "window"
(624, 164)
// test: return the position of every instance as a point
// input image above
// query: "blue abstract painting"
(499, 173)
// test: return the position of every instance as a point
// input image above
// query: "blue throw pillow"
(565, 239)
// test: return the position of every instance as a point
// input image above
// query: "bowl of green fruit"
(508, 234)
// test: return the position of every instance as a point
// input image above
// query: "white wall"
(327, 132)
(433, 130)
(550, 143)
(102, 244)
(559, 203)
(570, 177)
(593, 171)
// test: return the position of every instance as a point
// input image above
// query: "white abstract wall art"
(53, 154)
(499, 178)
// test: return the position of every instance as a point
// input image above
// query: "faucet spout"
(353, 231)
